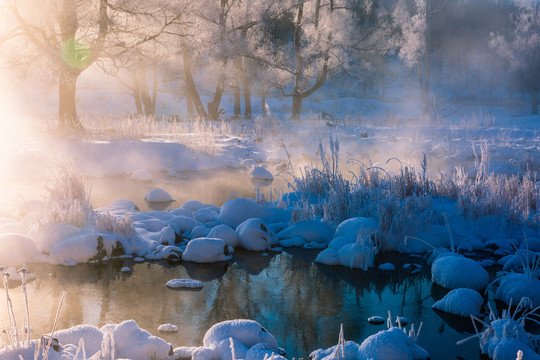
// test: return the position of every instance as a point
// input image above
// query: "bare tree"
(521, 47)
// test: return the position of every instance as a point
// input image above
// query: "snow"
(309, 230)
(207, 250)
(391, 344)
(226, 233)
(261, 173)
(16, 250)
(158, 195)
(454, 272)
(167, 328)
(387, 267)
(193, 205)
(513, 287)
(126, 269)
(461, 302)
(184, 283)
(503, 338)
(255, 235)
(358, 227)
(142, 175)
(247, 332)
(236, 211)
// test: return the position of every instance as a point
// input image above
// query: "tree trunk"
(189, 104)
(190, 85)
(137, 95)
(297, 106)
(236, 87)
(534, 100)
(67, 111)
(263, 103)
(213, 106)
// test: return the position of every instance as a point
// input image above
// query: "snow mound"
(205, 215)
(158, 195)
(142, 175)
(184, 284)
(182, 224)
(247, 332)
(503, 338)
(93, 337)
(255, 235)
(261, 173)
(311, 231)
(131, 342)
(454, 272)
(227, 233)
(358, 227)
(167, 328)
(207, 250)
(236, 211)
(461, 302)
(387, 267)
(513, 287)
(16, 250)
(48, 235)
(193, 205)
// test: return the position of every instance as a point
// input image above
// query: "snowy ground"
(142, 150)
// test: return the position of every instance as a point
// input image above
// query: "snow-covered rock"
(184, 284)
(309, 230)
(461, 302)
(205, 215)
(513, 287)
(358, 227)
(182, 224)
(454, 272)
(167, 328)
(16, 249)
(93, 337)
(227, 233)
(82, 247)
(158, 195)
(199, 231)
(193, 205)
(261, 173)
(387, 267)
(142, 175)
(132, 342)
(255, 235)
(248, 332)
(236, 211)
(207, 250)
(503, 338)
(48, 235)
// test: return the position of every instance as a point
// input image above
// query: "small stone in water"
(376, 320)
(184, 283)
(126, 269)
(402, 320)
(167, 328)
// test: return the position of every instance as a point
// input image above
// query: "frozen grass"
(402, 202)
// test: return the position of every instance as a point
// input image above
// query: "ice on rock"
(16, 250)
(255, 235)
(167, 328)
(132, 342)
(193, 205)
(309, 230)
(513, 287)
(261, 173)
(207, 250)
(184, 284)
(158, 195)
(454, 272)
(227, 233)
(461, 302)
(142, 175)
(236, 211)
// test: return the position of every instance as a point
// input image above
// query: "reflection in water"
(301, 303)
